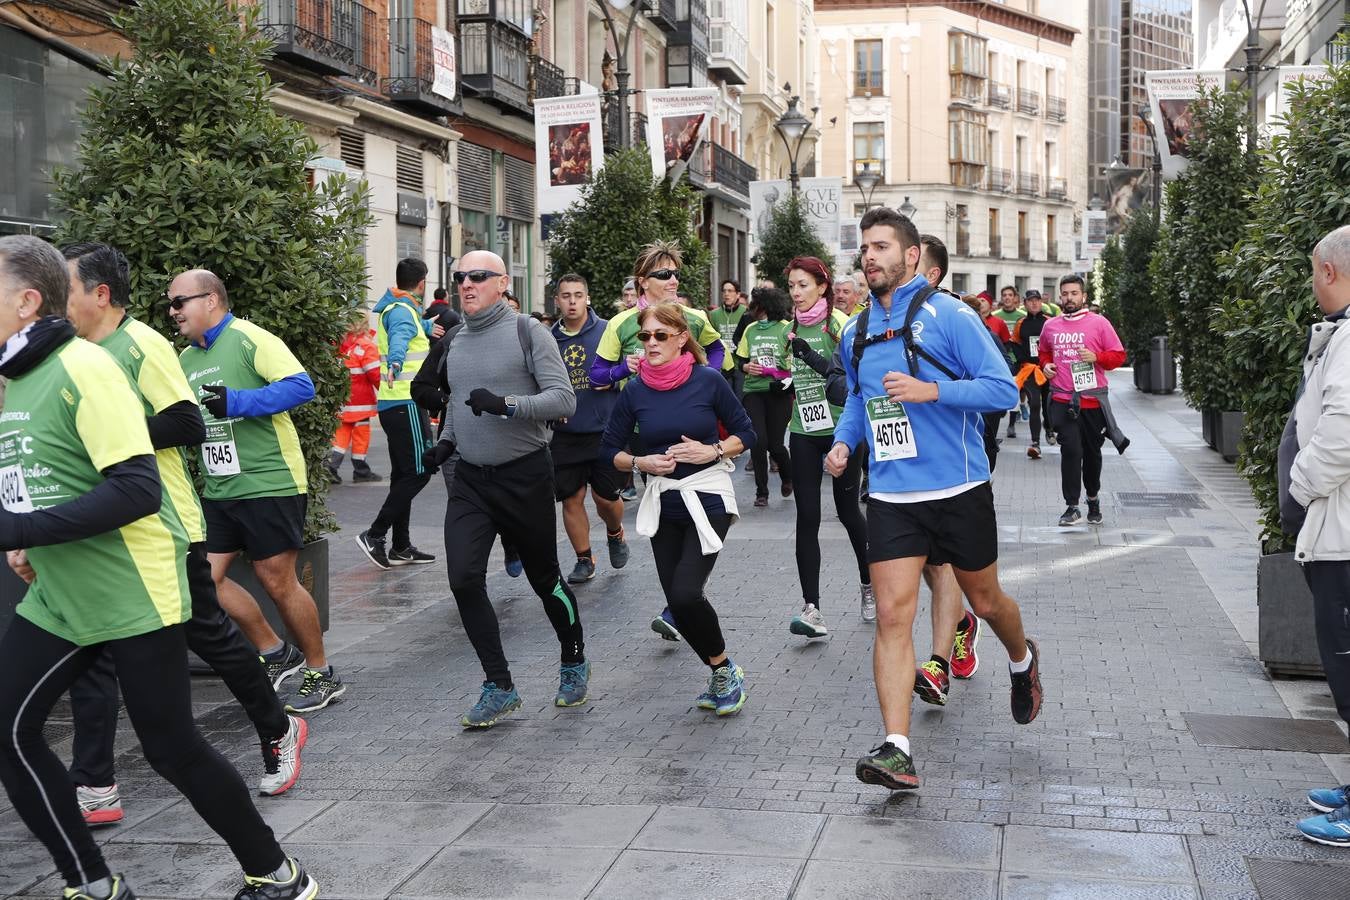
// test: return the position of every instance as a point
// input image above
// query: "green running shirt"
(811, 412)
(765, 343)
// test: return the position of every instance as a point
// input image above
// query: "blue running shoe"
(1332, 829)
(493, 704)
(664, 625)
(1329, 799)
(728, 688)
(514, 567)
(707, 699)
(572, 684)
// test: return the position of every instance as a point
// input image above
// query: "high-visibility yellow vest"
(418, 348)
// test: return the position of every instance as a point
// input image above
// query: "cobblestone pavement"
(638, 793)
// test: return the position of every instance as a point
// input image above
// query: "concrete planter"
(1286, 636)
(1227, 434)
(1207, 426)
(1143, 373)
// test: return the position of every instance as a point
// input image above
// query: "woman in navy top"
(689, 504)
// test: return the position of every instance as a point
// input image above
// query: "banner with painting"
(1284, 87)
(568, 146)
(1171, 96)
(678, 120)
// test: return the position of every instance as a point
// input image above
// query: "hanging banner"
(1127, 190)
(1171, 96)
(677, 123)
(1289, 75)
(1094, 231)
(822, 200)
(444, 83)
(569, 145)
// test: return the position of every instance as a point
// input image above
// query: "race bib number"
(892, 435)
(1084, 376)
(220, 456)
(14, 490)
(767, 362)
(813, 410)
(1034, 346)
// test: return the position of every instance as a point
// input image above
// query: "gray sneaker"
(869, 603)
(810, 623)
(318, 689)
(582, 572)
(618, 550)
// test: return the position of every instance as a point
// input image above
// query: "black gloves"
(436, 455)
(481, 400)
(799, 347)
(216, 405)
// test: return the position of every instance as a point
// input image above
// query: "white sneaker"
(869, 604)
(281, 759)
(99, 805)
(810, 623)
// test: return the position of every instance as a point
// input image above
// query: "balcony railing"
(1000, 95)
(549, 80)
(999, 180)
(1052, 250)
(1028, 101)
(1028, 183)
(1056, 189)
(412, 70)
(571, 86)
(1024, 248)
(732, 172)
(335, 37)
(967, 89)
(728, 47)
(496, 63)
(996, 246)
(664, 14)
(512, 12)
(1056, 108)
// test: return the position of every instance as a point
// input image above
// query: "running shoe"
(1332, 829)
(888, 766)
(373, 548)
(319, 689)
(99, 805)
(583, 571)
(1024, 411)
(1328, 799)
(628, 494)
(810, 623)
(618, 551)
(964, 661)
(869, 603)
(1034, 451)
(707, 699)
(728, 688)
(120, 891)
(1012, 428)
(493, 704)
(281, 759)
(1050, 437)
(300, 886)
(786, 489)
(573, 682)
(761, 502)
(664, 625)
(1094, 512)
(773, 465)
(282, 664)
(514, 567)
(361, 476)
(1026, 689)
(931, 683)
(410, 557)
(750, 466)
(1071, 516)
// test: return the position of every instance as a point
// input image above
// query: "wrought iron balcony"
(999, 180)
(412, 70)
(1024, 248)
(335, 37)
(1056, 108)
(664, 14)
(496, 62)
(549, 80)
(1000, 95)
(1056, 189)
(1028, 183)
(1028, 101)
(732, 172)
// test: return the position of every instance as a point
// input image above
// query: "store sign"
(412, 209)
(444, 83)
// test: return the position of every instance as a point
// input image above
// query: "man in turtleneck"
(497, 419)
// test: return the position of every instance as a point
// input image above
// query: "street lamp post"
(793, 127)
(908, 209)
(1146, 117)
(866, 181)
(1252, 68)
(621, 55)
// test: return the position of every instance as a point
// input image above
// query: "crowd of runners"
(890, 386)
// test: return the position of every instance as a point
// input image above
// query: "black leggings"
(152, 670)
(213, 636)
(770, 412)
(808, 455)
(1038, 401)
(684, 571)
(409, 434)
(516, 501)
(1080, 450)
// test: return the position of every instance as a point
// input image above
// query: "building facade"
(972, 113)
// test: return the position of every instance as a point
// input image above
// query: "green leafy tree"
(620, 210)
(789, 235)
(1106, 281)
(1140, 315)
(184, 163)
(1207, 210)
(1304, 192)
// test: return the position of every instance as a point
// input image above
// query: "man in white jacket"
(1319, 481)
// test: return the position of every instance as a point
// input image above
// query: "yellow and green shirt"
(620, 338)
(148, 359)
(764, 342)
(253, 456)
(811, 412)
(65, 421)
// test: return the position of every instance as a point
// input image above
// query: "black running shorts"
(577, 463)
(260, 526)
(960, 530)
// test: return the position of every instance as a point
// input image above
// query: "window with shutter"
(352, 147)
(518, 202)
(475, 177)
(408, 169)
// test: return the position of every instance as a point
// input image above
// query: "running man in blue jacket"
(917, 405)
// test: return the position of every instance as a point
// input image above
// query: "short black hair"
(1074, 278)
(900, 223)
(936, 251)
(775, 303)
(98, 264)
(410, 273)
(1008, 287)
(440, 294)
(736, 285)
(574, 278)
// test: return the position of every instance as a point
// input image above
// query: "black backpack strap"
(859, 345)
(526, 341)
(912, 350)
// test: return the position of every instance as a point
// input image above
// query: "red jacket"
(363, 363)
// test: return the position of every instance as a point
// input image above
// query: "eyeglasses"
(661, 336)
(177, 303)
(477, 276)
(663, 274)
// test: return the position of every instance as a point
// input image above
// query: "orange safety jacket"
(363, 364)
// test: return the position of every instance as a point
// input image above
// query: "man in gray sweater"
(505, 385)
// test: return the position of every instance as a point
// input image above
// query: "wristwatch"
(636, 470)
(721, 454)
(510, 405)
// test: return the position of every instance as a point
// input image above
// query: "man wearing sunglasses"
(501, 401)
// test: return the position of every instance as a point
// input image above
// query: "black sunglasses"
(661, 336)
(177, 303)
(663, 274)
(477, 276)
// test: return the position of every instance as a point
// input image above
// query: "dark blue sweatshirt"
(664, 417)
(578, 353)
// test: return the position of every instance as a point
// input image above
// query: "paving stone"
(353, 871)
(25, 863)
(825, 880)
(663, 874)
(169, 870)
(557, 826)
(508, 874)
(1036, 851)
(1032, 887)
(180, 822)
(910, 842)
(373, 822)
(720, 831)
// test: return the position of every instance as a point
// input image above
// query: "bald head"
(202, 302)
(1331, 271)
(477, 296)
